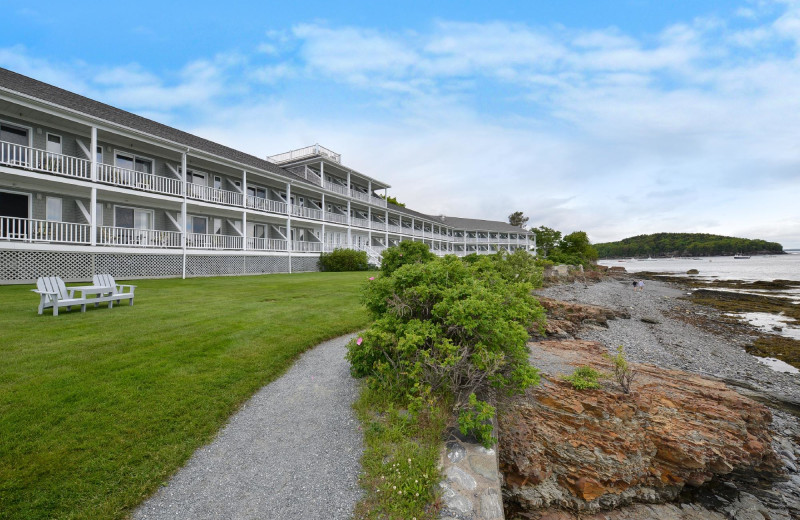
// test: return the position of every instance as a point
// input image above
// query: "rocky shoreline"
(723, 456)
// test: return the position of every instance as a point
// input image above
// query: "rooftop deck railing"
(129, 237)
(209, 194)
(124, 177)
(34, 230)
(268, 205)
(306, 151)
(28, 158)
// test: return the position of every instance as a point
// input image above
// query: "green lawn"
(98, 409)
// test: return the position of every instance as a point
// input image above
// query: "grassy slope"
(98, 409)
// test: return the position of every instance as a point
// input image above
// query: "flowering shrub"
(405, 253)
(447, 327)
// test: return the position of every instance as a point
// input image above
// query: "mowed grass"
(98, 409)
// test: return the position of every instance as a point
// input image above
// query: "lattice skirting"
(18, 266)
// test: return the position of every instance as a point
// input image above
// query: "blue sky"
(613, 117)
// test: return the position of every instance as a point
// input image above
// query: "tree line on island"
(575, 247)
(685, 244)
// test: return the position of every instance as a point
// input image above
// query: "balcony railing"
(306, 173)
(33, 230)
(39, 160)
(206, 193)
(266, 244)
(261, 204)
(380, 226)
(206, 241)
(117, 176)
(417, 232)
(335, 217)
(128, 237)
(359, 195)
(336, 188)
(300, 211)
(306, 151)
(395, 229)
(378, 201)
(360, 222)
(306, 247)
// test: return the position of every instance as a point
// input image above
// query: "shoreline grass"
(97, 410)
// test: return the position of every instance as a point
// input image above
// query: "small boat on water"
(740, 256)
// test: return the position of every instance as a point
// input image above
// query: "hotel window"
(217, 226)
(197, 225)
(54, 213)
(99, 155)
(133, 218)
(133, 162)
(53, 143)
(217, 182)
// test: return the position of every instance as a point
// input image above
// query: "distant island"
(685, 244)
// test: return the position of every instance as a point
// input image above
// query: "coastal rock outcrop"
(565, 318)
(587, 451)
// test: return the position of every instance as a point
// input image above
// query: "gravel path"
(291, 452)
(672, 343)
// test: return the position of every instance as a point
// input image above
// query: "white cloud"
(688, 129)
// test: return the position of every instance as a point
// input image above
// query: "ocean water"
(777, 267)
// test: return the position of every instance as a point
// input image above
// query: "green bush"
(405, 253)
(584, 378)
(444, 326)
(623, 373)
(343, 260)
(476, 419)
(519, 266)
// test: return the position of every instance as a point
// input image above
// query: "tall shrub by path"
(405, 253)
(343, 260)
(519, 266)
(444, 327)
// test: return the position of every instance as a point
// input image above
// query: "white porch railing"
(335, 217)
(266, 244)
(306, 173)
(360, 222)
(33, 230)
(306, 247)
(206, 241)
(261, 204)
(195, 191)
(380, 226)
(129, 237)
(39, 160)
(300, 211)
(117, 176)
(359, 195)
(395, 229)
(417, 232)
(378, 201)
(336, 188)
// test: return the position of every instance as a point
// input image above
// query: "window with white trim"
(53, 143)
(54, 209)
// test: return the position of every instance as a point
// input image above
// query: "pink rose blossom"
(359, 340)
(371, 278)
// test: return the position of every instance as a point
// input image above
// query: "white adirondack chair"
(118, 291)
(53, 293)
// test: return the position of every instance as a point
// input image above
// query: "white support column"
(93, 201)
(244, 189)
(369, 229)
(387, 228)
(322, 238)
(349, 220)
(322, 173)
(289, 244)
(184, 220)
(349, 186)
(413, 231)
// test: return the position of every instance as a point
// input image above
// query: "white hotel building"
(87, 188)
